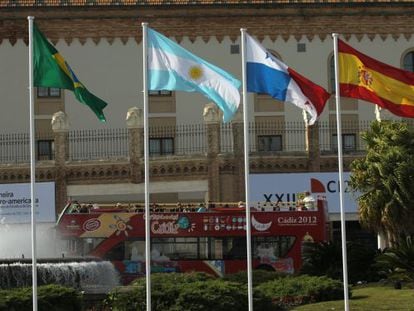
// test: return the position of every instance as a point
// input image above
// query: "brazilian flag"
(51, 70)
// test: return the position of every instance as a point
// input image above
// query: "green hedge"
(296, 290)
(190, 292)
(259, 277)
(50, 297)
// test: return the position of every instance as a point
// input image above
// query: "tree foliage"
(385, 179)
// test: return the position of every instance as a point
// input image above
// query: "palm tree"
(385, 179)
(398, 262)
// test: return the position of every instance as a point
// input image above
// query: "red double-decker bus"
(182, 240)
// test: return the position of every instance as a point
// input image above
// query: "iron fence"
(274, 137)
(351, 136)
(98, 144)
(184, 139)
(15, 147)
(187, 139)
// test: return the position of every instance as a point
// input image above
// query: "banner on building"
(15, 203)
(284, 188)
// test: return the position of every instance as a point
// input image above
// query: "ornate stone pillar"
(238, 152)
(60, 128)
(312, 147)
(212, 119)
(135, 125)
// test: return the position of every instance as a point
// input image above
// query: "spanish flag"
(363, 77)
(51, 70)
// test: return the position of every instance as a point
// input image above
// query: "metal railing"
(15, 147)
(98, 144)
(351, 136)
(188, 139)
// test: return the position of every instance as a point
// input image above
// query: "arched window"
(408, 61)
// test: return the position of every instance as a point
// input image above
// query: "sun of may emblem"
(195, 72)
(365, 77)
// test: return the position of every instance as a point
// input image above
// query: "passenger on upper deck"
(309, 201)
(202, 208)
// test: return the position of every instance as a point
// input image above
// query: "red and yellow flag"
(363, 77)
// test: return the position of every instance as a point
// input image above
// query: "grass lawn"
(369, 298)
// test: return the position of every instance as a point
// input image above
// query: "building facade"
(194, 156)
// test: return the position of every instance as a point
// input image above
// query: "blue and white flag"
(171, 67)
(267, 74)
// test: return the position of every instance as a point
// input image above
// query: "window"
(174, 248)
(45, 149)
(160, 93)
(272, 247)
(269, 143)
(161, 146)
(408, 63)
(48, 92)
(234, 49)
(348, 142)
(332, 75)
(301, 47)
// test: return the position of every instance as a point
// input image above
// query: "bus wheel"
(265, 268)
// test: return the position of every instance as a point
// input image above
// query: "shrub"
(326, 259)
(259, 277)
(195, 291)
(397, 263)
(165, 288)
(302, 289)
(50, 297)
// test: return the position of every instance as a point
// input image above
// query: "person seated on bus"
(138, 208)
(309, 201)
(201, 208)
(84, 209)
(74, 207)
(241, 204)
(95, 206)
(276, 207)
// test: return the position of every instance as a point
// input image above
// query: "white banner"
(15, 203)
(284, 187)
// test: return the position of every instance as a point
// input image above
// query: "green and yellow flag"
(51, 70)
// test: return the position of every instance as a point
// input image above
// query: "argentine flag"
(267, 74)
(171, 67)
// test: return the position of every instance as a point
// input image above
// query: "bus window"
(176, 248)
(116, 253)
(234, 248)
(89, 244)
(135, 250)
(273, 247)
(203, 248)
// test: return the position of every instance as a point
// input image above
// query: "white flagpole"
(378, 113)
(32, 164)
(146, 167)
(340, 169)
(246, 174)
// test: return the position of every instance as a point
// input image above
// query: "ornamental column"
(211, 116)
(238, 152)
(312, 148)
(60, 128)
(135, 125)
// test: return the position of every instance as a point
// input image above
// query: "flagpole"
(246, 174)
(32, 165)
(378, 113)
(340, 169)
(146, 167)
